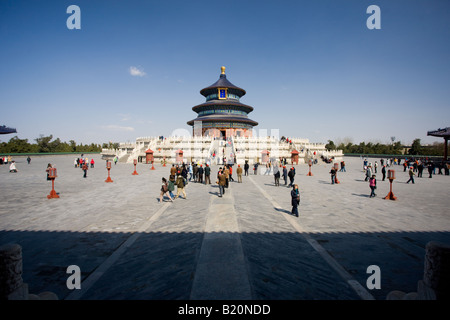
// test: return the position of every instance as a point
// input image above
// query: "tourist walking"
(92, 162)
(184, 172)
(246, 167)
(430, 168)
(291, 176)
(255, 168)
(171, 185)
(191, 172)
(333, 175)
(375, 166)
(239, 173)
(368, 172)
(411, 175)
(200, 174)
(116, 158)
(180, 182)
(267, 169)
(195, 169)
(173, 170)
(383, 172)
(440, 166)
(342, 167)
(207, 174)
(226, 173)
(221, 181)
(230, 168)
(373, 186)
(276, 174)
(164, 190)
(295, 200)
(285, 173)
(76, 162)
(28, 159)
(85, 169)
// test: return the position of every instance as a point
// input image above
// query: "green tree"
(16, 145)
(73, 146)
(416, 147)
(43, 143)
(330, 145)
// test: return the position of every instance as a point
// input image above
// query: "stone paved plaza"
(245, 245)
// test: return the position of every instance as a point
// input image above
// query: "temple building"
(222, 114)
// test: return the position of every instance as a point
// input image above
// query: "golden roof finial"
(223, 70)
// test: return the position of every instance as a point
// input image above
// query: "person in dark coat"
(195, 169)
(430, 168)
(291, 176)
(207, 174)
(246, 167)
(200, 174)
(285, 175)
(333, 175)
(295, 200)
(420, 169)
(383, 171)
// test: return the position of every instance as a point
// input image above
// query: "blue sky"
(311, 69)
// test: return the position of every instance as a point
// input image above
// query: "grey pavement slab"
(157, 248)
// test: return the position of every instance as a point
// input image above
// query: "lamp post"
(391, 177)
(108, 166)
(135, 163)
(310, 164)
(52, 175)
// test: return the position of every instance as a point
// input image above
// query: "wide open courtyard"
(245, 245)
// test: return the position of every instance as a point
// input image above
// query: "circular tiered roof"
(225, 111)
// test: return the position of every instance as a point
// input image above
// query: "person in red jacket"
(231, 172)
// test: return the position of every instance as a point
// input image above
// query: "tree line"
(45, 144)
(416, 148)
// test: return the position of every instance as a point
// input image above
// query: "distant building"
(222, 133)
(222, 115)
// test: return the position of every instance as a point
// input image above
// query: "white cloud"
(117, 128)
(124, 117)
(135, 72)
(144, 122)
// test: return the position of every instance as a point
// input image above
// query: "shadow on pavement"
(281, 265)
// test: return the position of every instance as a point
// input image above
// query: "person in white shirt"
(12, 167)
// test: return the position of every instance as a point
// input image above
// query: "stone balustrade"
(435, 284)
(12, 286)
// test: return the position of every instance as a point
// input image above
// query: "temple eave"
(225, 120)
(222, 103)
